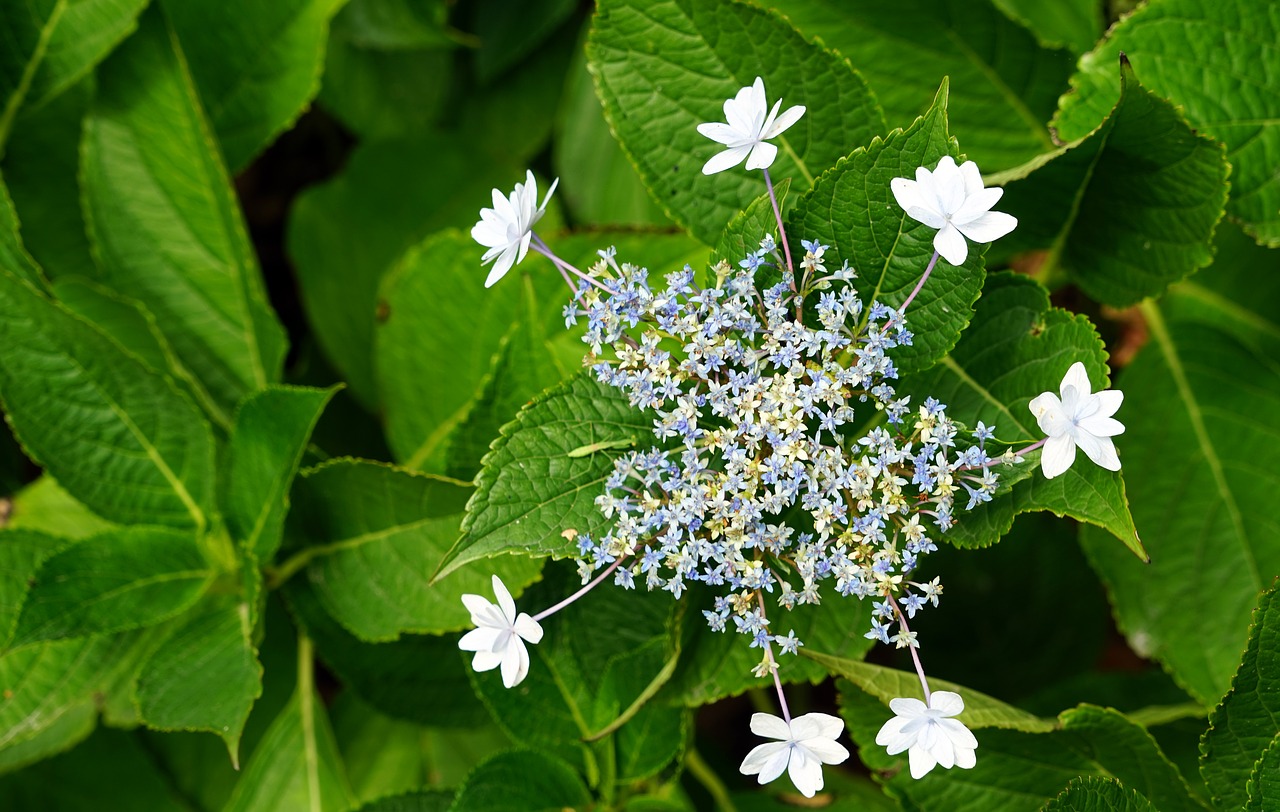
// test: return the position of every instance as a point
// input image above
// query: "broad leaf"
(1005, 84)
(73, 396)
(1243, 725)
(256, 65)
(521, 781)
(1017, 348)
(531, 490)
(21, 554)
(13, 256)
(1098, 794)
(852, 209)
(510, 30)
(163, 218)
(372, 536)
(271, 432)
(748, 227)
(1264, 784)
(1192, 53)
(1074, 24)
(427, 800)
(119, 580)
(1128, 209)
(45, 507)
(663, 68)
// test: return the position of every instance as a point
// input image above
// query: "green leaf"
(662, 68)
(1264, 784)
(383, 756)
(1209, 59)
(344, 234)
(73, 396)
(1018, 347)
(852, 209)
(509, 30)
(271, 433)
(21, 554)
(374, 534)
(1128, 209)
(1243, 725)
(296, 765)
(1073, 24)
(530, 490)
(119, 580)
(13, 256)
(256, 65)
(205, 675)
(429, 800)
(1005, 84)
(43, 506)
(1099, 794)
(175, 240)
(50, 44)
(744, 232)
(521, 781)
(1190, 455)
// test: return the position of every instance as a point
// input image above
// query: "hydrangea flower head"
(953, 200)
(507, 228)
(750, 125)
(929, 733)
(1078, 418)
(500, 635)
(803, 746)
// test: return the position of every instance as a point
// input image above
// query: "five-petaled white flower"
(748, 130)
(506, 228)
(926, 731)
(496, 640)
(802, 748)
(952, 199)
(1079, 419)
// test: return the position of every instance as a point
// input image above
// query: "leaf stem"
(711, 782)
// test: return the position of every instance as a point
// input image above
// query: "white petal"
(951, 245)
(721, 133)
(478, 640)
(768, 760)
(1100, 449)
(545, 200)
(1057, 455)
(505, 602)
(960, 736)
(949, 702)
(926, 215)
(907, 707)
(1049, 413)
(1102, 426)
(824, 725)
(972, 178)
(828, 751)
(768, 726)
(922, 761)
(528, 628)
(1076, 376)
(893, 738)
(941, 749)
(975, 205)
(725, 160)
(948, 185)
(989, 227)
(762, 156)
(515, 663)
(965, 759)
(1109, 401)
(476, 604)
(486, 660)
(907, 193)
(784, 121)
(805, 772)
(506, 260)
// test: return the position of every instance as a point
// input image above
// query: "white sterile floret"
(748, 129)
(953, 200)
(1079, 419)
(928, 733)
(802, 748)
(507, 228)
(497, 638)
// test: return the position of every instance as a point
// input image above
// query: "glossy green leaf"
(521, 781)
(256, 65)
(1264, 784)
(21, 554)
(45, 507)
(1004, 84)
(747, 228)
(73, 396)
(1073, 24)
(1098, 794)
(530, 490)
(1210, 59)
(175, 240)
(383, 756)
(373, 536)
(663, 68)
(1243, 725)
(271, 432)
(852, 209)
(429, 800)
(1128, 209)
(119, 580)
(13, 256)
(50, 44)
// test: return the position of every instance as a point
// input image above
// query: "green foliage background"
(265, 425)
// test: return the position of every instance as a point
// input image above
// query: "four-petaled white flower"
(1079, 419)
(496, 640)
(748, 130)
(506, 228)
(802, 748)
(952, 199)
(926, 731)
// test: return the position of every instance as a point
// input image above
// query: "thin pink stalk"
(915, 655)
(562, 604)
(920, 284)
(782, 231)
(777, 681)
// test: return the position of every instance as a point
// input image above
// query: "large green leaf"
(1129, 208)
(1190, 454)
(1018, 347)
(521, 781)
(256, 65)
(372, 535)
(531, 489)
(118, 436)
(662, 68)
(1244, 724)
(271, 432)
(1099, 794)
(21, 554)
(113, 582)
(1213, 60)
(45, 507)
(163, 219)
(49, 44)
(1074, 24)
(852, 209)
(1264, 784)
(13, 255)
(1005, 84)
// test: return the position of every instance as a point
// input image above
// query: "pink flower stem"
(777, 681)
(541, 247)
(920, 284)
(782, 231)
(915, 655)
(562, 604)
(1031, 447)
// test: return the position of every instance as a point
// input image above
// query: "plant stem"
(782, 236)
(920, 284)
(711, 782)
(562, 604)
(915, 655)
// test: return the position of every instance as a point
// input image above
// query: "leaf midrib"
(29, 72)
